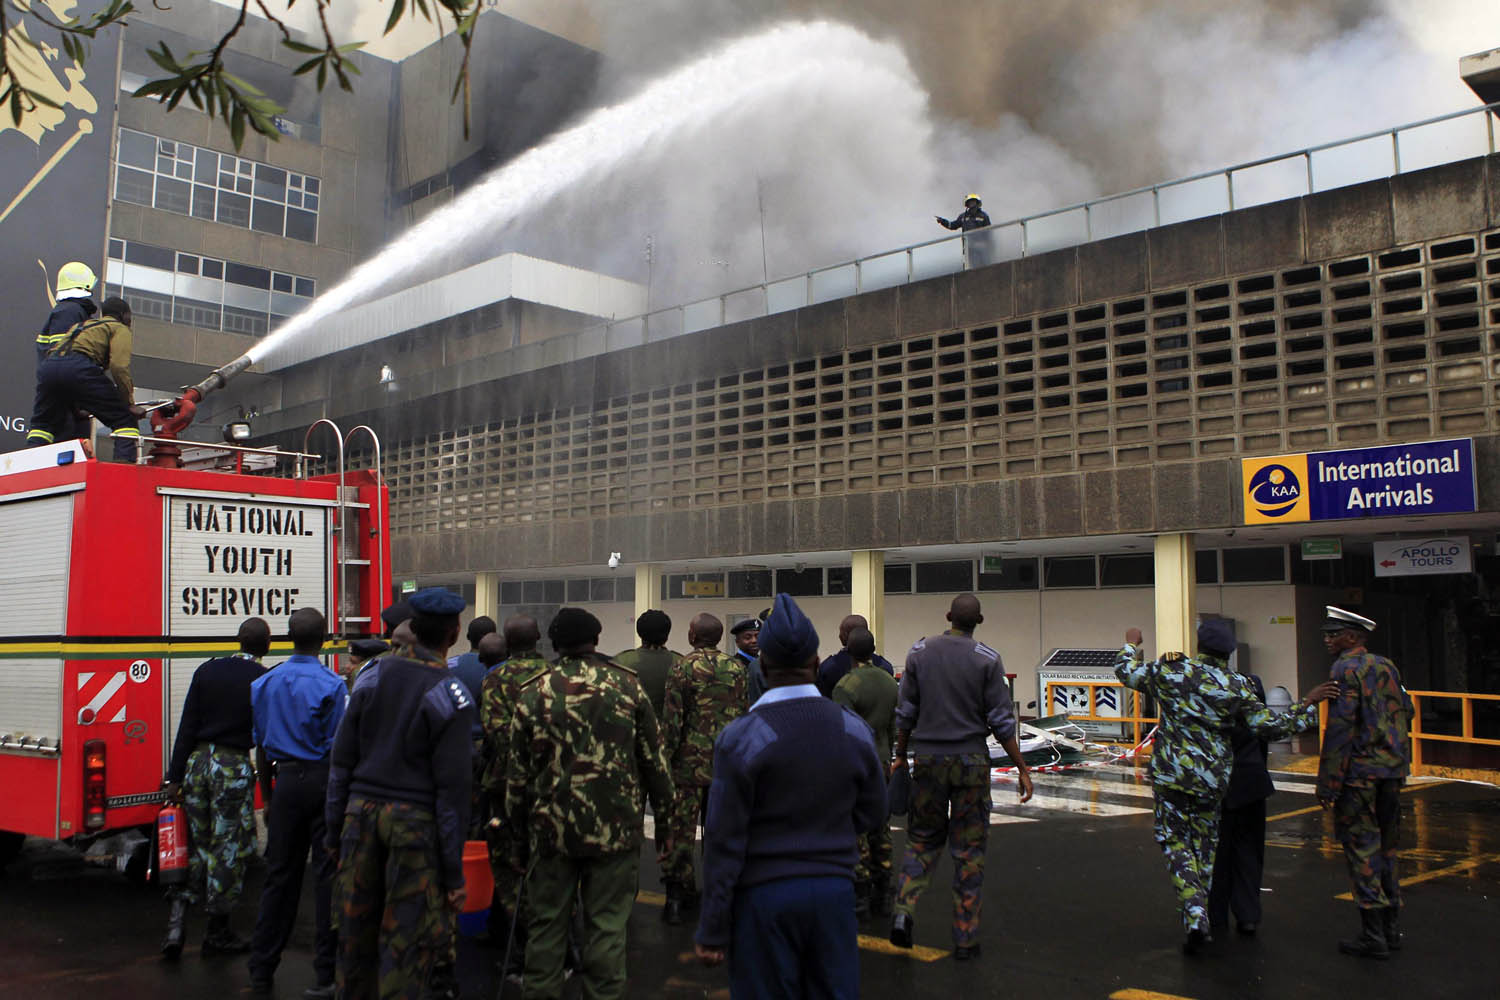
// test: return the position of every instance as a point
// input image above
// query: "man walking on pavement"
(583, 744)
(652, 661)
(833, 669)
(211, 773)
(794, 780)
(953, 695)
(1366, 756)
(398, 806)
(1198, 698)
(297, 708)
(705, 692)
(871, 693)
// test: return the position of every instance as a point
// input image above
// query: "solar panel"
(1087, 658)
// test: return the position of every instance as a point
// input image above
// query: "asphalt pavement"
(1077, 904)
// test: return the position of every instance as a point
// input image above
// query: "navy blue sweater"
(795, 780)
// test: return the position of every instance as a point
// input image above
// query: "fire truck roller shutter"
(34, 602)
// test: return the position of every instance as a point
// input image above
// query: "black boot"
(218, 939)
(1371, 941)
(901, 930)
(171, 945)
(671, 913)
(1391, 924)
(880, 895)
(862, 901)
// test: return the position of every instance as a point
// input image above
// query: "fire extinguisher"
(171, 844)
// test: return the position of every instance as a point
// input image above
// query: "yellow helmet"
(75, 274)
(971, 197)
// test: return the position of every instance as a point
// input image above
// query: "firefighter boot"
(1371, 941)
(1392, 926)
(171, 945)
(671, 912)
(218, 939)
(880, 894)
(862, 900)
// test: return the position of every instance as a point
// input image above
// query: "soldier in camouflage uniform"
(870, 693)
(398, 807)
(211, 774)
(953, 695)
(705, 692)
(583, 742)
(1198, 699)
(1366, 754)
(502, 686)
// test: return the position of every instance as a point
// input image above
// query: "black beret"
(396, 613)
(368, 647)
(748, 625)
(572, 627)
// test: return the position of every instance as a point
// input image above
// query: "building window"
(1261, 564)
(1015, 574)
(750, 583)
(1127, 570)
(800, 582)
(202, 291)
(1071, 571)
(952, 577)
(898, 579)
(206, 184)
(840, 581)
(1207, 561)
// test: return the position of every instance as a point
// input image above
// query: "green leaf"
(242, 86)
(15, 104)
(322, 74)
(151, 88)
(297, 46)
(164, 59)
(42, 99)
(308, 66)
(237, 127)
(397, 9)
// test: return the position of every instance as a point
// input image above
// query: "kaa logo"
(1275, 490)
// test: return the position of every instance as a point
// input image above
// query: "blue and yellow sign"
(1430, 477)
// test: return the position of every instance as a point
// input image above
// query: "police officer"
(297, 709)
(1198, 699)
(362, 651)
(953, 694)
(870, 692)
(211, 773)
(1366, 755)
(73, 377)
(73, 305)
(833, 669)
(583, 743)
(398, 806)
(747, 649)
(652, 661)
(705, 692)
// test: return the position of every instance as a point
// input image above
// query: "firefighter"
(211, 774)
(973, 217)
(73, 305)
(73, 377)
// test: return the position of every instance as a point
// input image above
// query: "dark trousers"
(1367, 821)
(69, 382)
(1238, 864)
(795, 939)
(294, 824)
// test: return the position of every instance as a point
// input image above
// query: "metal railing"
(1130, 698)
(1466, 722)
(1416, 145)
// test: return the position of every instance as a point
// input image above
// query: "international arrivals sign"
(1430, 477)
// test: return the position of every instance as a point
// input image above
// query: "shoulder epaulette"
(528, 679)
(610, 661)
(457, 693)
(920, 643)
(987, 651)
(1173, 657)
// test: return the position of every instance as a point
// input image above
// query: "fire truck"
(118, 580)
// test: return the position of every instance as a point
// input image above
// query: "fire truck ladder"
(350, 570)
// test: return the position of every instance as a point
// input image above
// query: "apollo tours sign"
(1423, 557)
(1429, 477)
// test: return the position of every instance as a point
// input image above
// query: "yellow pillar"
(487, 595)
(867, 590)
(647, 588)
(1176, 594)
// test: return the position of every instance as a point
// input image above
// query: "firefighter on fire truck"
(73, 377)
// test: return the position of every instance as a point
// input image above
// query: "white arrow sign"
(1423, 557)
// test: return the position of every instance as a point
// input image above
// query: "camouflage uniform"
(583, 742)
(390, 899)
(497, 701)
(950, 800)
(1198, 699)
(1366, 754)
(705, 692)
(871, 693)
(218, 796)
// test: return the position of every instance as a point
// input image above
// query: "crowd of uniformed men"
(384, 774)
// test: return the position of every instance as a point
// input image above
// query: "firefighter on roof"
(75, 283)
(73, 377)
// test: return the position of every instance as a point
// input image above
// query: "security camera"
(614, 560)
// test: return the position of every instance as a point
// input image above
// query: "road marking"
(1063, 803)
(868, 942)
(1313, 809)
(1134, 994)
(1462, 866)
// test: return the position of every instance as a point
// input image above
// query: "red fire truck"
(117, 580)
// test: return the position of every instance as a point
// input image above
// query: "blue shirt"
(297, 707)
(470, 671)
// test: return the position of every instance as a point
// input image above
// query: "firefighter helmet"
(971, 197)
(75, 274)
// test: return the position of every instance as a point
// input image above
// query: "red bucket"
(479, 882)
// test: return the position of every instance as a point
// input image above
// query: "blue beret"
(787, 638)
(436, 601)
(1215, 636)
